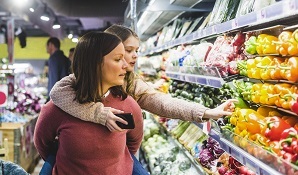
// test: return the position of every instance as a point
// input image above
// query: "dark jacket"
(59, 66)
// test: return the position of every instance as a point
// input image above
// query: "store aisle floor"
(38, 167)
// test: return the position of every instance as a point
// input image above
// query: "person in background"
(10, 168)
(46, 69)
(148, 98)
(70, 54)
(85, 147)
(58, 63)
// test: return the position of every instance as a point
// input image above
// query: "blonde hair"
(124, 33)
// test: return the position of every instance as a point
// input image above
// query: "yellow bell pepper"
(265, 44)
(249, 120)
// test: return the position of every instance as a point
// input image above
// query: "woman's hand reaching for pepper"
(225, 108)
(111, 120)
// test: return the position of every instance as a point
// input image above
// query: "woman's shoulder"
(50, 108)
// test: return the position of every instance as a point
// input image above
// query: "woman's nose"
(135, 55)
(125, 64)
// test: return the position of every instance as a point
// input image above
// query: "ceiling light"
(75, 39)
(31, 9)
(56, 24)
(33, 6)
(45, 16)
(70, 36)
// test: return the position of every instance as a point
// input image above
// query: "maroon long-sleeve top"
(85, 147)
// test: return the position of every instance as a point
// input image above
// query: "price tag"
(236, 155)
(214, 29)
(198, 34)
(251, 165)
(289, 7)
(207, 127)
(204, 32)
(188, 38)
(261, 15)
(235, 23)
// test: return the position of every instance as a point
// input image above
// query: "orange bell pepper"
(295, 35)
(291, 69)
(275, 71)
(282, 44)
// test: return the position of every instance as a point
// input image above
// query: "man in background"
(58, 63)
(70, 54)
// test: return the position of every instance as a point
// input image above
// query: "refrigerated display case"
(270, 20)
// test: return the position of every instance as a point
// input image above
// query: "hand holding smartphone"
(127, 117)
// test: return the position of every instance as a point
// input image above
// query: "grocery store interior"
(194, 54)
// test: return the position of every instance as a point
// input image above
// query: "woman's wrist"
(206, 115)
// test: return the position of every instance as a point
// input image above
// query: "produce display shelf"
(281, 109)
(181, 147)
(188, 155)
(239, 154)
(199, 79)
(280, 10)
(6, 71)
(269, 81)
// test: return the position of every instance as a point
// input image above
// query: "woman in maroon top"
(84, 147)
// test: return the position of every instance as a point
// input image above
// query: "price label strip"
(235, 24)
(289, 7)
(261, 15)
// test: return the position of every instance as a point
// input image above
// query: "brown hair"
(87, 62)
(124, 33)
(121, 31)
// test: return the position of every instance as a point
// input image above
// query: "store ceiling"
(81, 16)
(75, 16)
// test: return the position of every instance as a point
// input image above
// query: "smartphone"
(127, 117)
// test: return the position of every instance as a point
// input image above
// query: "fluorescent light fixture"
(45, 16)
(56, 24)
(75, 40)
(33, 6)
(70, 36)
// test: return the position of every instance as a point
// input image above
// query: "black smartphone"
(127, 117)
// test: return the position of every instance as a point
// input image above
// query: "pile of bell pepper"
(282, 138)
(273, 68)
(243, 89)
(289, 69)
(287, 45)
(272, 131)
(247, 123)
(263, 44)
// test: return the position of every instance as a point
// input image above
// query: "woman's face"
(114, 68)
(131, 46)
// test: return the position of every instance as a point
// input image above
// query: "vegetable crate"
(21, 149)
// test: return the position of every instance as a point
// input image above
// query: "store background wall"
(35, 52)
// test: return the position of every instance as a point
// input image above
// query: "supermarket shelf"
(162, 12)
(199, 79)
(269, 81)
(282, 110)
(280, 10)
(181, 147)
(242, 156)
(188, 155)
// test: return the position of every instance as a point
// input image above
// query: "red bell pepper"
(294, 107)
(275, 127)
(289, 145)
(289, 133)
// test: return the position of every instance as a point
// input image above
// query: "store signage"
(10, 40)
(3, 95)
